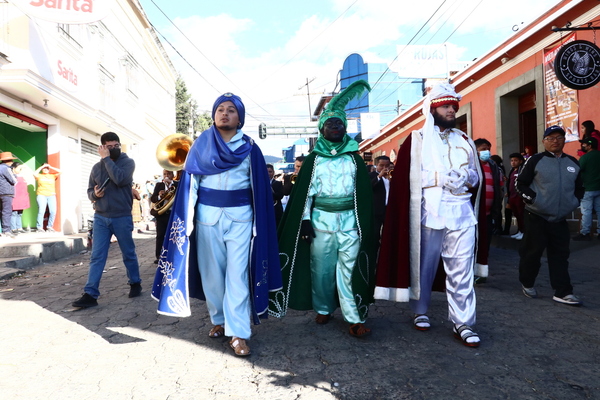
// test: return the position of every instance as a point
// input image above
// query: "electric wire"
(203, 55)
(445, 40)
(310, 42)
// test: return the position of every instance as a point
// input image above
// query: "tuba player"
(161, 220)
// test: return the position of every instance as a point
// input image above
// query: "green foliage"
(186, 111)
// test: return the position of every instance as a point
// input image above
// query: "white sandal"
(464, 333)
(421, 322)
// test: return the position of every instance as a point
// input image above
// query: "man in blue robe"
(221, 243)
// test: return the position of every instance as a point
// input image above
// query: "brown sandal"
(359, 330)
(216, 331)
(239, 346)
(322, 319)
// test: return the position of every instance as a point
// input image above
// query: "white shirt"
(455, 211)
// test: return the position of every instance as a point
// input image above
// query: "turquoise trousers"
(332, 259)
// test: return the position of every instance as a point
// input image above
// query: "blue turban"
(237, 102)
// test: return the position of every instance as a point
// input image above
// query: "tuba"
(171, 154)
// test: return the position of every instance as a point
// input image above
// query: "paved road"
(532, 348)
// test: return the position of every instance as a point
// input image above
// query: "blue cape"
(210, 154)
(177, 277)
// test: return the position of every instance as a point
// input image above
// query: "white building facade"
(62, 85)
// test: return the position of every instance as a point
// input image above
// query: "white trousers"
(223, 261)
(457, 249)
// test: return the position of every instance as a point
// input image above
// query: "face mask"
(484, 155)
(114, 153)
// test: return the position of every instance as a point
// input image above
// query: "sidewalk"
(122, 349)
(27, 251)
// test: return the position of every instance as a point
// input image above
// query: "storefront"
(64, 82)
(511, 94)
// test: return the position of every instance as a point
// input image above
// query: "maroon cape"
(393, 266)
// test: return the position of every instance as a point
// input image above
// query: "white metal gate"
(89, 157)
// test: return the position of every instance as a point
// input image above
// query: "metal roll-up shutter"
(89, 157)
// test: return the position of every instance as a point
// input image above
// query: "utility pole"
(308, 95)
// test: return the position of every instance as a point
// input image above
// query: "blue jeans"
(15, 220)
(589, 203)
(104, 228)
(42, 201)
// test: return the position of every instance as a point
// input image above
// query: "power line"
(309, 43)
(184, 59)
(447, 38)
(409, 42)
(203, 55)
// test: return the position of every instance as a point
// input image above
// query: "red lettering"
(68, 74)
(86, 6)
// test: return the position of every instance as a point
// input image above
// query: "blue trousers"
(6, 208)
(589, 203)
(223, 262)
(16, 221)
(42, 202)
(104, 228)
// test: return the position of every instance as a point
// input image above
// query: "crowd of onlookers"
(14, 195)
(15, 179)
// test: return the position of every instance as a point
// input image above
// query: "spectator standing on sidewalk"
(515, 201)
(590, 173)
(8, 181)
(46, 195)
(380, 181)
(21, 200)
(490, 219)
(588, 129)
(551, 186)
(277, 189)
(112, 205)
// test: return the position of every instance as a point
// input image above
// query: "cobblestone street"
(122, 349)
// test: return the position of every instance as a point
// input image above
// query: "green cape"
(294, 253)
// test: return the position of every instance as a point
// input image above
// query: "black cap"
(592, 141)
(554, 129)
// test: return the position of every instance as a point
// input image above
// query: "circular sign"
(577, 64)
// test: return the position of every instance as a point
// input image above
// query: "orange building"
(511, 94)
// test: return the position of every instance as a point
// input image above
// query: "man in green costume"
(326, 241)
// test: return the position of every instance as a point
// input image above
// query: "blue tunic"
(177, 278)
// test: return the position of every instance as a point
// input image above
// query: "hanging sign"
(562, 103)
(65, 11)
(577, 64)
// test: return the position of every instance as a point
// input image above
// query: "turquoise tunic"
(339, 266)
(334, 249)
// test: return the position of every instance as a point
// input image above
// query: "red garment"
(394, 253)
(489, 187)
(517, 206)
(21, 200)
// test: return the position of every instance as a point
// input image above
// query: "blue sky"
(265, 50)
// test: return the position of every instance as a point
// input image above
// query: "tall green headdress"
(335, 108)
